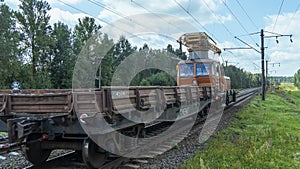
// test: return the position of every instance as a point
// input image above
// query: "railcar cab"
(203, 67)
(200, 72)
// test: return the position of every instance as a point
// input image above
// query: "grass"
(263, 135)
(288, 87)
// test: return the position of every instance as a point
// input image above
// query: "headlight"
(195, 82)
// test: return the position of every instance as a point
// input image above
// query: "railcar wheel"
(206, 110)
(91, 155)
(33, 150)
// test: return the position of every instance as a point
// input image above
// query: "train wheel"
(205, 110)
(227, 101)
(33, 150)
(91, 155)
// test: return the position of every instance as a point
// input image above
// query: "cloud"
(156, 31)
(65, 1)
(167, 18)
(15, 3)
(196, 8)
(246, 58)
(285, 52)
(66, 17)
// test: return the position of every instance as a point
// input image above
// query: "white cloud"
(15, 3)
(197, 8)
(65, 1)
(166, 17)
(245, 59)
(12, 3)
(148, 29)
(65, 17)
(285, 52)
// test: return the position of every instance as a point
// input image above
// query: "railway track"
(3, 138)
(5, 147)
(243, 96)
(74, 158)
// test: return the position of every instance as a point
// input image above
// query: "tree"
(83, 31)
(161, 79)
(240, 78)
(87, 49)
(9, 41)
(176, 52)
(297, 78)
(36, 40)
(106, 62)
(63, 59)
(121, 50)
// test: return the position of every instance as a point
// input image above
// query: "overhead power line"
(236, 18)
(195, 19)
(279, 11)
(155, 14)
(253, 23)
(103, 6)
(80, 10)
(106, 8)
(73, 7)
(218, 19)
(115, 12)
(292, 19)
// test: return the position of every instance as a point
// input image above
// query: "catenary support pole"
(262, 65)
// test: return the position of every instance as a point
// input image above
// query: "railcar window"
(186, 70)
(202, 69)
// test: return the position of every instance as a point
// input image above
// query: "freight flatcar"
(44, 120)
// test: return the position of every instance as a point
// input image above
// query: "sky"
(159, 23)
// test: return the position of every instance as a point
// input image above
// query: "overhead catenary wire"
(115, 12)
(274, 26)
(73, 7)
(155, 14)
(106, 8)
(239, 22)
(279, 12)
(292, 19)
(218, 19)
(80, 10)
(124, 17)
(212, 11)
(253, 23)
(195, 19)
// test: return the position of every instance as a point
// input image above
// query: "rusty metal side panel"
(86, 102)
(39, 101)
(106, 100)
(3, 102)
(45, 103)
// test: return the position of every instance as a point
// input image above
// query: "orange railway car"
(203, 67)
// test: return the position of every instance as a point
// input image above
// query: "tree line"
(39, 55)
(240, 78)
(297, 79)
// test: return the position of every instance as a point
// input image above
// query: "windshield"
(186, 70)
(202, 69)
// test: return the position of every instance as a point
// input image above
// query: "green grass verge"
(288, 87)
(263, 135)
